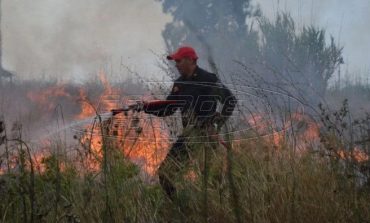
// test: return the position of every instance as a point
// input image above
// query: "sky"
(72, 39)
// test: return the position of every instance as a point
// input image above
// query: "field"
(317, 170)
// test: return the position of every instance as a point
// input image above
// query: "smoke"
(69, 39)
(347, 21)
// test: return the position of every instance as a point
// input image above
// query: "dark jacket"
(197, 99)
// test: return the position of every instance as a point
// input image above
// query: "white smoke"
(71, 38)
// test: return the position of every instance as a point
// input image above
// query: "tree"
(216, 28)
(3, 73)
(275, 55)
(299, 58)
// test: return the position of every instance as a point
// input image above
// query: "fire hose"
(140, 106)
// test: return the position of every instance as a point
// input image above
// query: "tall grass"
(271, 186)
(251, 180)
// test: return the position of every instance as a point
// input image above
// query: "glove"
(213, 121)
(138, 107)
(218, 120)
(117, 111)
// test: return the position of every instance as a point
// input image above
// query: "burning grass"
(271, 186)
(307, 171)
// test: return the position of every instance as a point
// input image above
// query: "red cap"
(183, 52)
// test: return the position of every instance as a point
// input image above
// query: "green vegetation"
(268, 185)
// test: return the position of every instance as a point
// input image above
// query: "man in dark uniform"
(195, 93)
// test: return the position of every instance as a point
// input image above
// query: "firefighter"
(196, 93)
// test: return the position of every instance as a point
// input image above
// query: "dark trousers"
(178, 157)
(175, 160)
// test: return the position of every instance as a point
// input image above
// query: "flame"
(46, 98)
(310, 134)
(86, 109)
(357, 154)
(305, 129)
(37, 159)
(140, 137)
(145, 146)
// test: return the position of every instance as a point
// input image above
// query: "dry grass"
(268, 184)
(272, 186)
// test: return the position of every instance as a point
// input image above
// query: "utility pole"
(4, 74)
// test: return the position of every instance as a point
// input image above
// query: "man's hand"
(218, 120)
(117, 111)
(212, 133)
(138, 107)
